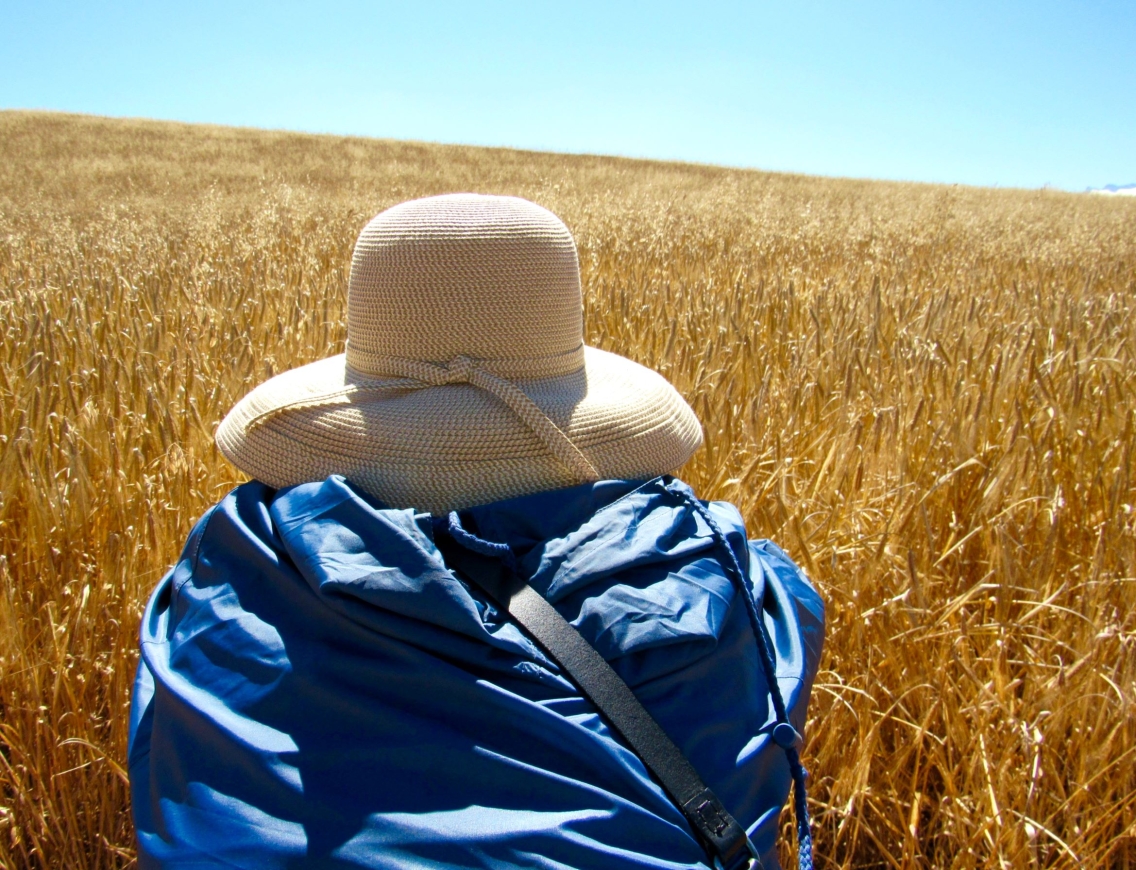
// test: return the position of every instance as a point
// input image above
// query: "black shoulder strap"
(723, 838)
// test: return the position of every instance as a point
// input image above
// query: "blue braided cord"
(472, 542)
(738, 578)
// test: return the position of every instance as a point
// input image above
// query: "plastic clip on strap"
(492, 567)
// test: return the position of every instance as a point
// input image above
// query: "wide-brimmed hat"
(465, 378)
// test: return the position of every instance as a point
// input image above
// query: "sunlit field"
(926, 394)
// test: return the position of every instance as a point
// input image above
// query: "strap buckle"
(753, 862)
(721, 833)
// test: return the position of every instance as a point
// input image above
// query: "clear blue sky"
(1009, 94)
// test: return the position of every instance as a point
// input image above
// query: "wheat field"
(924, 393)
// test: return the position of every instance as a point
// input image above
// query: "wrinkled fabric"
(317, 690)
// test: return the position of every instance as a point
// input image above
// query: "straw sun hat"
(466, 379)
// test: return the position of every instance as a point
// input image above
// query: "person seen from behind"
(463, 615)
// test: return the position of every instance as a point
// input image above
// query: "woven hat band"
(463, 370)
(417, 374)
(377, 365)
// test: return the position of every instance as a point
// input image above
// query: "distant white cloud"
(1115, 189)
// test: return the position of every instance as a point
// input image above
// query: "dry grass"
(924, 393)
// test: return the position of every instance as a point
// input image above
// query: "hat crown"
(493, 278)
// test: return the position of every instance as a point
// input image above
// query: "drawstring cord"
(453, 526)
(784, 734)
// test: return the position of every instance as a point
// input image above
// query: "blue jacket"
(317, 690)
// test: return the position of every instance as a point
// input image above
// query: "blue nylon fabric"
(316, 690)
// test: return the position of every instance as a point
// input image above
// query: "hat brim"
(440, 448)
